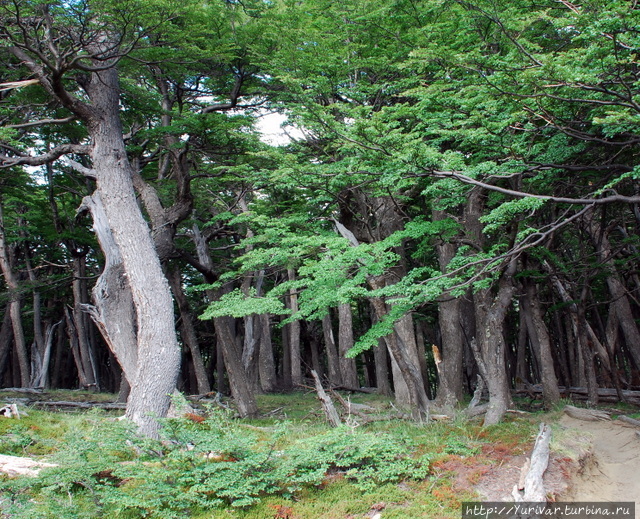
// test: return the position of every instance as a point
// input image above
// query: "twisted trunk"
(154, 376)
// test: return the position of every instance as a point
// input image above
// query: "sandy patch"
(612, 472)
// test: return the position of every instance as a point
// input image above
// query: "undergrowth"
(107, 471)
(219, 467)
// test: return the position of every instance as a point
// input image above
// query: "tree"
(72, 51)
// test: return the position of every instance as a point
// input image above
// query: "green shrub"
(108, 471)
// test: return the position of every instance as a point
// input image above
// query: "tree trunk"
(38, 345)
(539, 336)
(6, 335)
(450, 390)
(332, 355)
(285, 372)
(294, 335)
(158, 353)
(584, 371)
(14, 305)
(491, 346)
(188, 331)
(266, 363)
(252, 332)
(619, 297)
(490, 312)
(407, 367)
(72, 334)
(80, 322)
(380, 356)
(113, 309)
(375, 219)
(226, 338)
(313, 336)
(239, 385)
(345, 343)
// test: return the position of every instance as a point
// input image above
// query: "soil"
(612, 472)
(590, 462)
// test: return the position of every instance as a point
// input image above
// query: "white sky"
(275, 131)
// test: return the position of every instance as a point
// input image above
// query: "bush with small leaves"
(200, 466)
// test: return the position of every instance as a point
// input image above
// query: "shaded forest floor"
(589, 460)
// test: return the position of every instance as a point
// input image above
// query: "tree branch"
(50, 156)
(521, 194)
(42, 122)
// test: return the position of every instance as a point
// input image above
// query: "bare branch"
(52, 83)
(233, 96)
(50, 156)
(521, 194)
(42, 122)
(83, 170)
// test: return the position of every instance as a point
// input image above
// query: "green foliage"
(368, 459)
(510, 211)
(461, 447)
(107, 471)
(239, 304)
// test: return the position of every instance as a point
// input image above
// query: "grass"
(289, 421)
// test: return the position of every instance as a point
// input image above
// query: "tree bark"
(620, 299)
(188, 331)
(294, 335)
(409, 371)
(72, 334)
(14, 305)
(87, 357)
(332, 355)
(239, 385)
(345, 343)
(113, 309)
(450, 390)
(374, 219)
(327, 404)
(382, 368)
(266, 362)
(539, 336)
(6, 336)
(226, 337)
(584, 371)
(158, 353)
(533, 485)
(489, 346)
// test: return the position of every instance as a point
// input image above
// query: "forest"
(452, 202)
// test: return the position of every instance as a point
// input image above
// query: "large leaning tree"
(66, 54)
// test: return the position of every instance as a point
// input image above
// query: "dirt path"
(613, 472)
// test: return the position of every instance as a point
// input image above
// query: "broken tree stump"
(10, 411)
(327, 404)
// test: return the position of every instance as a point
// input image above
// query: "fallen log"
(533, 487)
(581, 393)
(587, 415)
(30, 390)
(630, 421)
(366, 390)
(80, 405)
